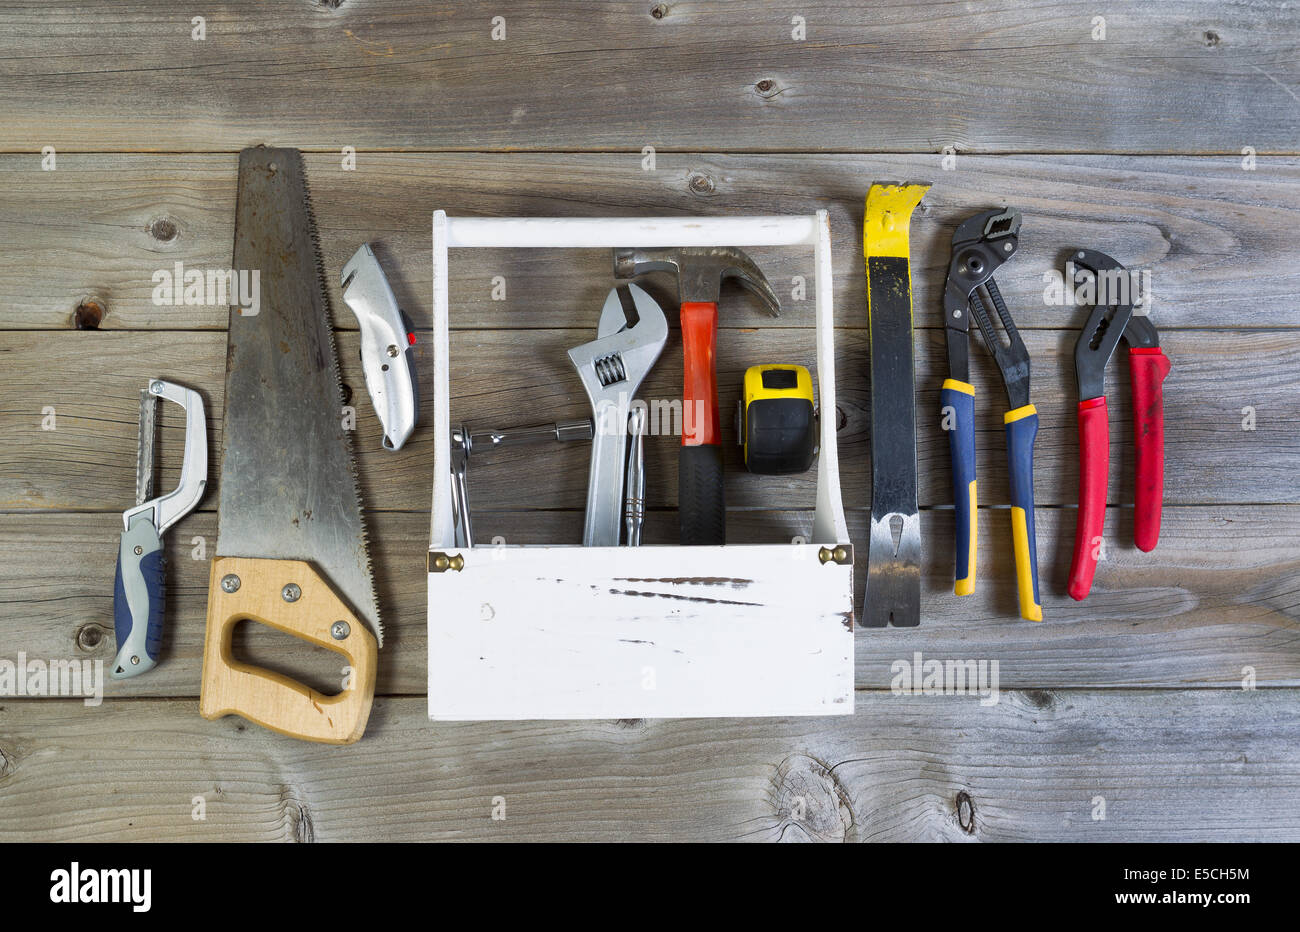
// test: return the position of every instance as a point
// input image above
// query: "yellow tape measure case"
(778, 426)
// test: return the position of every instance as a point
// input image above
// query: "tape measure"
(778, 427)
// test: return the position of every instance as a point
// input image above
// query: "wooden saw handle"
(271, 699)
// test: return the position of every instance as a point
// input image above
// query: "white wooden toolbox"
(568, 632)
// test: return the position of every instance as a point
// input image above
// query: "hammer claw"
(700, 271)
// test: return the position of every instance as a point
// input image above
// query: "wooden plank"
(1217, 240)
(505, 379)
(1039, 765)
(1215, 598)
(1029, 76)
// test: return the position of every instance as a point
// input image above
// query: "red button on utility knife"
(1110, 321)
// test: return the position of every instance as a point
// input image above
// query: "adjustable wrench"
(612, 368)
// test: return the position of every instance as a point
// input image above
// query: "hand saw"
(291, 546)
(893, 561)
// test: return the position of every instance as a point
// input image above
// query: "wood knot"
(1040, 698)
(88, 314)
(90, 636)
(809, 802)
(659, 11)
(767, 89)
(298, 817)
(841, 419)
(7, 763)
(965, 807)
(1212, 39)
(163, 229)
(630, 723)
(700, 183)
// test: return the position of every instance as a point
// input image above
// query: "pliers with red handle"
(1112, 318)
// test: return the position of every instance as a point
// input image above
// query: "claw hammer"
(701, 503)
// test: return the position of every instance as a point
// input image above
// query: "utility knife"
(386, 341)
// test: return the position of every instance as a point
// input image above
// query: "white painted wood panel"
(640, 632)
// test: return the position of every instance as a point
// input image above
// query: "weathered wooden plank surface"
(1210, 765)
(1148, 127)
(1218, 595)
(1218, 240)
(510, 378)
(1183, 76)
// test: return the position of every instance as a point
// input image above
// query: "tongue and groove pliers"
(979, 247)
(1111, 319)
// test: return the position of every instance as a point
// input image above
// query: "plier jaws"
(980, 246)
(1111, 319)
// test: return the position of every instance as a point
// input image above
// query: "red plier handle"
(1148, 367)
(1094, 464)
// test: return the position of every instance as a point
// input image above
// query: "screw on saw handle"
(1022, 428)
(138, 597)
(702, 514)
(256, 589)
(959, 397)
(1147, 368)
(1094, 460)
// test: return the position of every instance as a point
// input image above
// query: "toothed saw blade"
(288, 482)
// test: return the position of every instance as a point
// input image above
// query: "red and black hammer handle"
(702, 509)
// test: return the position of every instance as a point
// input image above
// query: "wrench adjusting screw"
(610, 369)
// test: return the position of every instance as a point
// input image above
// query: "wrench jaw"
(612, 368)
